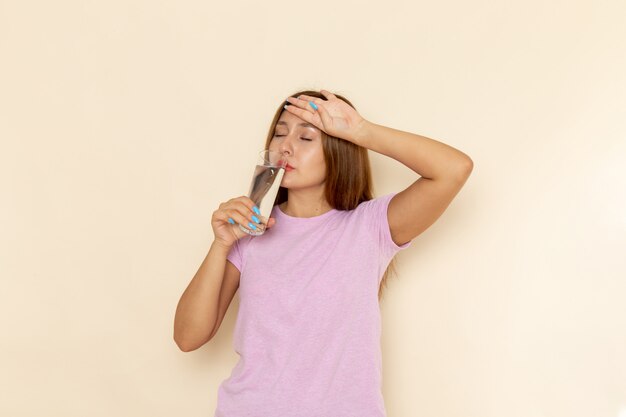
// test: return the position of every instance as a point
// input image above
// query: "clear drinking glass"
(268, 174)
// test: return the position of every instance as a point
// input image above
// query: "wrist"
(221, 246)
(363, 133)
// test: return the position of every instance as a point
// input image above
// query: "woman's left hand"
(333, 115)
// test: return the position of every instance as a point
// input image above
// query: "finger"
(304, 115)
(238, 201)
(245, 221)
(327, 94)
(229, 216)
(247, 201)
(302, 104)
(310, 98)
(326, 119)
(238, 217)
(239, 212)
(245, 208)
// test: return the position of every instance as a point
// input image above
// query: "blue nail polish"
(256, 210)
(231, 221)
(313, 105)
(256, 219)
(253, 227)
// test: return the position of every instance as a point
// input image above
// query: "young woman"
(308, 326)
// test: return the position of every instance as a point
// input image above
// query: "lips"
(287, 167)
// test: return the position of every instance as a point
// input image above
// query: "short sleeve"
(375, 211)
(236, 255)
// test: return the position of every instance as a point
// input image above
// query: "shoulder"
(376, 205)
(375, 213)
(372, 212)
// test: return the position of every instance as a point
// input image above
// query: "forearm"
(427, 157)
(197, 309)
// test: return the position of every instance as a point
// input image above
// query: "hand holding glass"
(268, 174)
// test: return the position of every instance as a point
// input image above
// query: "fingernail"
(231, 221)
(313, 105)
(252, 226)
(256, 210)
(256, 219)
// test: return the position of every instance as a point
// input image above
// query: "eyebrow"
(299, 124)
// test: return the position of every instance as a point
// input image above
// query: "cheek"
(320, 166)
(316, 158)
(312, 158)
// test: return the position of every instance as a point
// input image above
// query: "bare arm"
(443, 170)
(204, 303)
(198, 308)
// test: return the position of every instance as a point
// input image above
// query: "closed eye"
(300, 138)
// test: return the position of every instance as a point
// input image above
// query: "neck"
(299, 205)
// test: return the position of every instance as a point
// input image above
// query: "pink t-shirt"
(308, 327)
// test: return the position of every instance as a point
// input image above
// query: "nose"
(286, 146)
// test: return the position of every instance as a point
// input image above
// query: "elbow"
(183, 347)
(186, 345)
(465, 169)
(467, 165)
(183, 343)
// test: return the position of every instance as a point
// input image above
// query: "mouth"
(287, 167)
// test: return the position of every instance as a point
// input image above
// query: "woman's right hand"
(240, 210)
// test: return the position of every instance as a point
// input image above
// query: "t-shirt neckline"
(280, 213)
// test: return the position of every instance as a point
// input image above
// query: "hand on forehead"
(290, 119)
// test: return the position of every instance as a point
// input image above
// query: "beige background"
(124, 124)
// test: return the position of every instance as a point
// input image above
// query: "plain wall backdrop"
(124, 125)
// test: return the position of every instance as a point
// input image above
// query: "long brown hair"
(348, 173)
